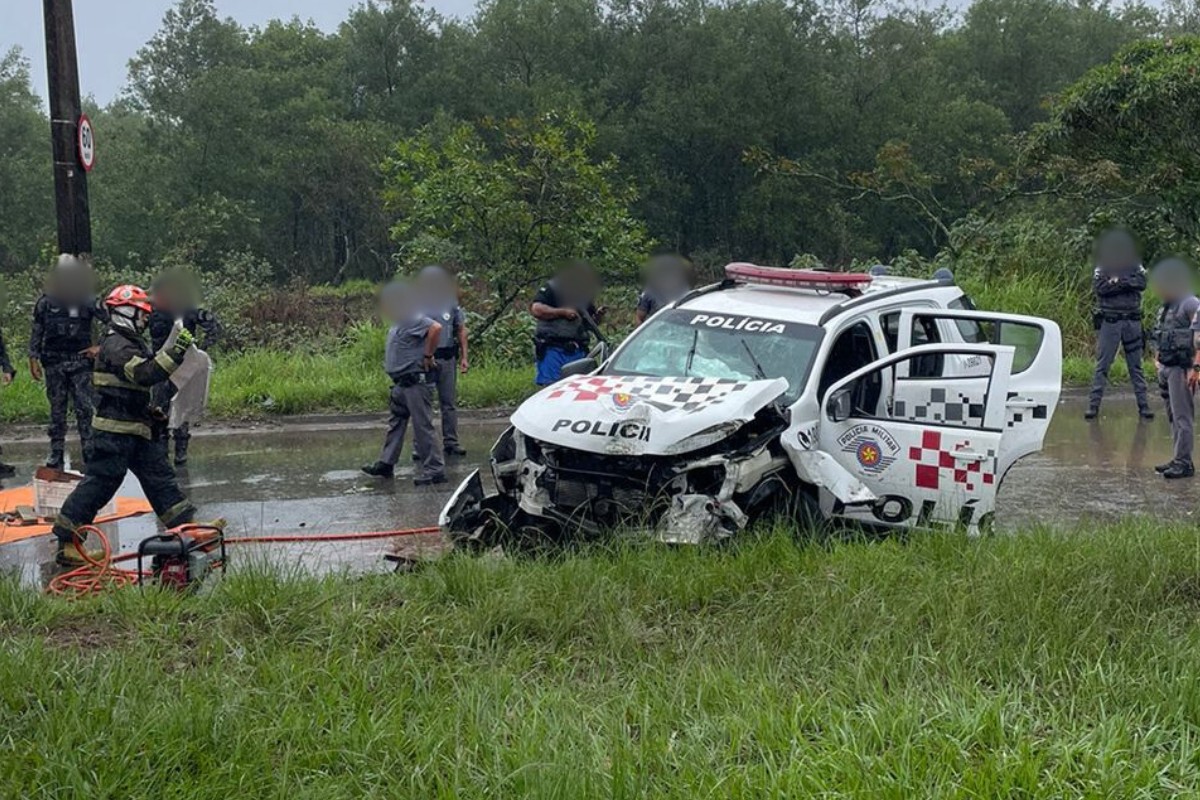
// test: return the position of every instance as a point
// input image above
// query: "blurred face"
(176, 291)
(72, 281)
(667, 275)
(1116, 252)
(1171, 280)
(435, 288)
(398, 302)
(577, 284)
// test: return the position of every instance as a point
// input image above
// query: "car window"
(969, 329)
(954, 401)
(925, 331)
(853, 349)
(683, 343)
(1024, 338)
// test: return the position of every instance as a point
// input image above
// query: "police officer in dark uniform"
(170, 297)
(61, 350)
(1118, 283)
(667, 278)
(7, 373)
(1175, 355)
(127, 425)
(566, 315)
(411, 363)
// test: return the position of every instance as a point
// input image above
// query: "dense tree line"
(751, 128)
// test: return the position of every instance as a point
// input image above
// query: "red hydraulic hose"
(99, 574)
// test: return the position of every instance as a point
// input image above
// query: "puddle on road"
(1101, 470)
(275, 481)
(279, 481)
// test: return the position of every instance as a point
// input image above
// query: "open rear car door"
(1036, 381)
(925, 446)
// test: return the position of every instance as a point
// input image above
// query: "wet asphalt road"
(304, 478)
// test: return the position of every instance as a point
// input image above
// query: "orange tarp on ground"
(10, 499)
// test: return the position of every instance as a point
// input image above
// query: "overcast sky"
(109, 32)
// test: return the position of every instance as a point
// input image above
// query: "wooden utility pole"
(70, 179)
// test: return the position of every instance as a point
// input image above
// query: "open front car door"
(1036, 381)
(924, 445)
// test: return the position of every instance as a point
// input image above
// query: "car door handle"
(967, 455)
(1018, 402)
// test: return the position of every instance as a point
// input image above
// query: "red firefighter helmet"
(129, 295)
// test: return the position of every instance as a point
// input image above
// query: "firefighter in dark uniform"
(61, 351)
(170, 305)
(126, 424)
(7, 373)
(1118, 283)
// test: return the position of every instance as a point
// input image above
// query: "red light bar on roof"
(852, 283)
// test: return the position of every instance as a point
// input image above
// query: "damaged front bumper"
(676, 501)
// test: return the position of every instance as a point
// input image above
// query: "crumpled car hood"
(634, 415)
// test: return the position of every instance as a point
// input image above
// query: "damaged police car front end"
(678, 434)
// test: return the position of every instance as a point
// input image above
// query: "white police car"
(872, 399)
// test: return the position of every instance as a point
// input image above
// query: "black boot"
(57, 458)
(181, 450)
(1092, 413)
(380, 470)
(1179, 470)
(7, 470)
(430, 480)
(455, 450)
(1161, 468)
(1146, 414)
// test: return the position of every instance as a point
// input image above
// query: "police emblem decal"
(869, 454)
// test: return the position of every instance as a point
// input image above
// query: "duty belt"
(410, 379)
(1121, 316)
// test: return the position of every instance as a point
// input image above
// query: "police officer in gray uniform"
(436, 287)
(1118, 283)
(1175, 354)
(410, 363)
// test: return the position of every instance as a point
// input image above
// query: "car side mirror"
(840, 405)
(583, 366)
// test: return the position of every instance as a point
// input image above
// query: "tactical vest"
(1173, 337)
(66, 329)
(556, 331)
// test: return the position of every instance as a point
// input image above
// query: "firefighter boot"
(181, 449)
(72, 554)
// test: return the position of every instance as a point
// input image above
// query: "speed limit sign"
(87, 143)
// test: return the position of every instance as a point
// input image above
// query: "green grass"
(350, 380)
(1039, 665)
(266, 382)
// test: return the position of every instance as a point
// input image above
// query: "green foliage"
(1041, 665)
(267, 141)
(26, 212)
(1125, 136)
(516, 198)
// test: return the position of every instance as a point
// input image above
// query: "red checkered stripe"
(686, 393)
(935, 462)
